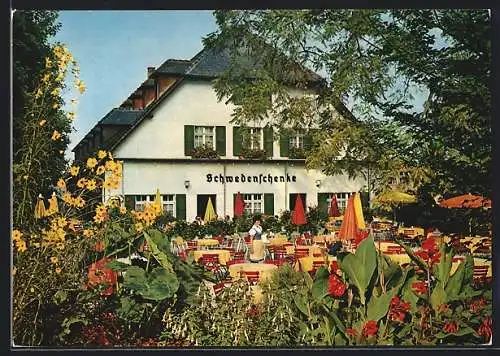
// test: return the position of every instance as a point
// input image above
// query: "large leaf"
(420, 262)
(443, 268)
(117, 266)
(455, 283)
(300, 302)
(160, 284)
(359, 267)
(378, 306)
(438, 296)
(130, 310)
(156, 242)
(134, 278)
(469, 268)
(320, 288)
(463, 331)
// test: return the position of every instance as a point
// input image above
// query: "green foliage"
(204, 151)
(381, 61)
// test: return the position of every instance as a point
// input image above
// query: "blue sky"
(114, 48)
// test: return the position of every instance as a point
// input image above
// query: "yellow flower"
(74, 170)
(81, 182)
(56, 135)
(67, 198)
(101, 154)
(98, 219)
(61, 184)
(71, 115)
(55, 106)
(54, 260)
(139, 227)
(16, 235)
(110, 165)
(100, 170)
(38, 93)
(100, 210)
(79, 202)
(61, 222)
(88, 233)
(48, 63)
(21, 246)
(42, 122)
(123, 210)
(91, 185)
(60, 246)
(58, 270)
(80, 86)
(55, 92)
(36, 244)
(91, 162)
(107, 184)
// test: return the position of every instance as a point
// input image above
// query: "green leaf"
(60, 296)
(461, 332)
(134, 278)
(159, 247)
(438, 296)
(160, 284)
(130, 310)
(378, 306)
(117, 266)
(340, 340)
(408, 295)
(300, 302)
(359, 267)
(455, 283)
(320, 288)
(443, 268)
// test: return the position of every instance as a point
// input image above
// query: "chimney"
(150, 71)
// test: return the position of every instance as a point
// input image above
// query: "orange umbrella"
(298, 213)
(239, 205)
(349, 229)
(469, 201)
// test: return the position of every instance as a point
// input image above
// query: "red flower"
(398, 309)
(450, 327)
(335, 287)
(423, 254)
(98, 273)
(485, 328)
(334, 267)
(370, 328)
(429, 244)
(351, 332)
(419, 287)
(99, 246)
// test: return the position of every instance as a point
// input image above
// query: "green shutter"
(268, 141)
(180, 206)
(130, 201)
(237, 141)
(308, 141)
(284, 144)
(188, 139)
(269, 204)
(220, 140)
(323, 204)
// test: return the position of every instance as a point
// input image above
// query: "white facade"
(153, 158)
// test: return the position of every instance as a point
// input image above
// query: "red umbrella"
(334, 208)
(298, 213)
(239, 205)
(466, 201)
(349, 229)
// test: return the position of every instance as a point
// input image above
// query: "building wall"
(142, 178)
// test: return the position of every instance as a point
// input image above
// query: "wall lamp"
(318, 183)
(187, 184)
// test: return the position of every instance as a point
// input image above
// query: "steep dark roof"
(119, 116)
(174, 66)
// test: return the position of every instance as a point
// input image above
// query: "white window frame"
(252, 203)
(204, 135)
(142, 199)
(297, 140)
(252, 142)
(168, 200)
(341, 200)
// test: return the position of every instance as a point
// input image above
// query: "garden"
(89, 273)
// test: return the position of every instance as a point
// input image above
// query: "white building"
(175, 110)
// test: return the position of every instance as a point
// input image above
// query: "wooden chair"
(479, 273)
(235, 261)
(299, 253)
(218, 287)
(394, 250)
(316, 265)
(210, 261)
(252, 277)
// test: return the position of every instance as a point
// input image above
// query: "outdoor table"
(224, 255)
(411, 231)
(385, 244)
(265, 270)
(306, 263)
(278, 241)
(207, 242)
(290, 250)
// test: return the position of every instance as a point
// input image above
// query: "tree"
(40, 127)
(378, 61)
